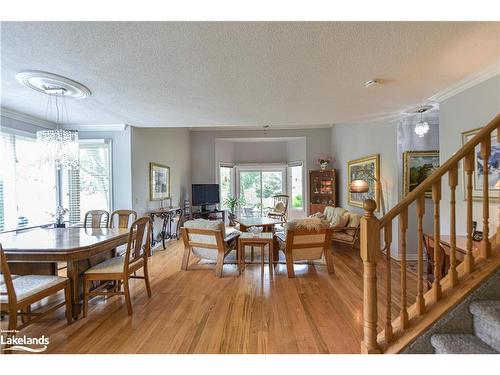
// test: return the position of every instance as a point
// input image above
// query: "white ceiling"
(244, 74)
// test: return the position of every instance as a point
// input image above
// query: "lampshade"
(358, 186)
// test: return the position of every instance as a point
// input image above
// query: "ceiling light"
(422, 127)
(372, 83)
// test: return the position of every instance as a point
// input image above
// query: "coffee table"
(260, 240)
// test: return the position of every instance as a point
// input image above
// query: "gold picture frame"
(423, 163)
(493, 178)
(360, 169)
(159, 182)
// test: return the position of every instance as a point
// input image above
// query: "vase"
(323, 166)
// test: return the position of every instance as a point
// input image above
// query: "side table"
(260, 240)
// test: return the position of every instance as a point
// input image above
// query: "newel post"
(370, 253)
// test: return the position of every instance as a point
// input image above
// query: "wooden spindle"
(485, 155)
(436, 197)
(370, 253)
(452, 183)
(469, 169)
(420, 255)
(403, 224)
(388, 302)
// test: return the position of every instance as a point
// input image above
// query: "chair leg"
(251, 254)
(127, 295)
(185, 258)
(289, 265)
(86, 287)
(329, 261)
(146, 278)
(219, 266)
(13, 318)
(69, 307)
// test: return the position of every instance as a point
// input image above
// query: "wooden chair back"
(283, 198)
(123, 218)
(139, 241)
(202, 238)
(429, 250)
(96, 219)
(305, 244)
(7, 278)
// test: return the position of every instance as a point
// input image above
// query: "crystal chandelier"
(59, 147)
(422, 127)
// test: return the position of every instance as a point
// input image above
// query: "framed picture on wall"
(417, 166)
(478, 175)
(159, 182)
(364, 169)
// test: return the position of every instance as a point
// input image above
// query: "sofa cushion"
(342, 221)
(333, 214)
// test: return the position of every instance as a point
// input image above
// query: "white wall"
(467, 110)
(354, 141)
(168, 146)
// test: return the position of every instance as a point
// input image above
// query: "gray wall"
(168, 146)
(354, 141)
(203, 148)
(467, 110)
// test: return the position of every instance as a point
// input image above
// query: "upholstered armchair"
(207, 239)
(345, 225)
(305, 240)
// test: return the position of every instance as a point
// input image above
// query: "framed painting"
(366, 169)
(417, 166)
(159, 182)
(478, 175)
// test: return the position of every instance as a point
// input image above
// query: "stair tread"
(460, 344)
(487, 309)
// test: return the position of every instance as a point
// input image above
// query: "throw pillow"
(342, 221)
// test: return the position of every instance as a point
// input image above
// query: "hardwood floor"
(196, 312)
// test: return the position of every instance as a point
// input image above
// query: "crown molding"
(18, 116)
(468, 82)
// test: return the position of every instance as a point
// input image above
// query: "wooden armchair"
(280, 209)
(18, 293)
(123, 218)
(120, 269)
(429, 251)
(299, 243)
(207, 240)
(96, 219)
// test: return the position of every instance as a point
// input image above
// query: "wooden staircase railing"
(397, 332)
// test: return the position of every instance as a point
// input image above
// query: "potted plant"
(231, 202)
(58, 216)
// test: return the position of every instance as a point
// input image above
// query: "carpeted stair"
(486, 332)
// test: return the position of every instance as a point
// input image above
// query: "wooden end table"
(260, 240)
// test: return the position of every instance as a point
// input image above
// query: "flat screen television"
(205, 194)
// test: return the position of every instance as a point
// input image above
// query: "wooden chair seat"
(31, 285)
(113, 265)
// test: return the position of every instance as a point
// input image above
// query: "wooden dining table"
(38, 251)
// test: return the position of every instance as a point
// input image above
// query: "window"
(257, 186)
(89, 188)
(225, 183)
(27, 191)
(295, 185)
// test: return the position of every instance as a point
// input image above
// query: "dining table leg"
(74, 278)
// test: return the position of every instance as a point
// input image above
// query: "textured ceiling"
(242, 73)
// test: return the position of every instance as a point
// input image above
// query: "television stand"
(213, 214)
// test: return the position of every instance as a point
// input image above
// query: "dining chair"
(248, 212)
(96, 219)
(120, 269)
(302, 241)
(429, 251)
(207, 240)
(123, 218)
(18, 293)
(280, 209)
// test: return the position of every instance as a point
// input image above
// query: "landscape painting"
(366, 169)
(159, 182)
(493, 168)
(417, 166)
